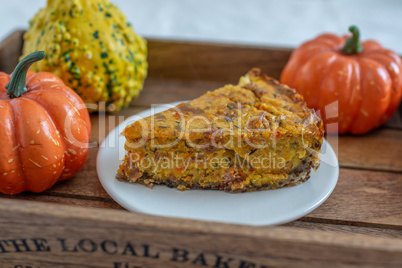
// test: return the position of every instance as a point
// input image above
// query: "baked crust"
(250, 121)
(297, 176)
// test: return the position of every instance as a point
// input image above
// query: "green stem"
(17, 85)
(352, 45)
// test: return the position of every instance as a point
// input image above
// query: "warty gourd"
(92, 48)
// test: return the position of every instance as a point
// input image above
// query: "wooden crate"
(76, 223)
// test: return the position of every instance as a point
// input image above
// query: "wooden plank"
(103, 123)
(186, 60)
(10, 50)
(174, 242)
(66, 199)
(395, 121)
(360, 197)
(344, 227)
(212, 62)
(310, 223)
(380, 149)
(364, 196)
(160, 91)
(85, 184)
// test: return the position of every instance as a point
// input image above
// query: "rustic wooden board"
(359, 225)
(211, 62)
(72, 234)
(378, 150)
(355, 200)
(10, 50)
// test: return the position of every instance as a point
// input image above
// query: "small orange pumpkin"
(364, 78)
(44, 129)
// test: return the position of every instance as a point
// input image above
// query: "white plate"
(254, 208)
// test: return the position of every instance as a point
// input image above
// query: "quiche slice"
(255, 135)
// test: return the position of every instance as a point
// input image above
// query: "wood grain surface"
(169, 239)
(82, 226)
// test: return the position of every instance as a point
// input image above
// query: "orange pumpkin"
(364, 78)
(44, 129)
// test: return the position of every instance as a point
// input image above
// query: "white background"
(285, 23)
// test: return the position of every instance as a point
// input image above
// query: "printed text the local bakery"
(131, 251)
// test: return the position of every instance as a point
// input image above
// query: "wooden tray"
(76, 223)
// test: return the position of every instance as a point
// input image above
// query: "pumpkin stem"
(17, 85)
(352, 45)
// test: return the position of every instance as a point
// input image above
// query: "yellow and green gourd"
(92, 48)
